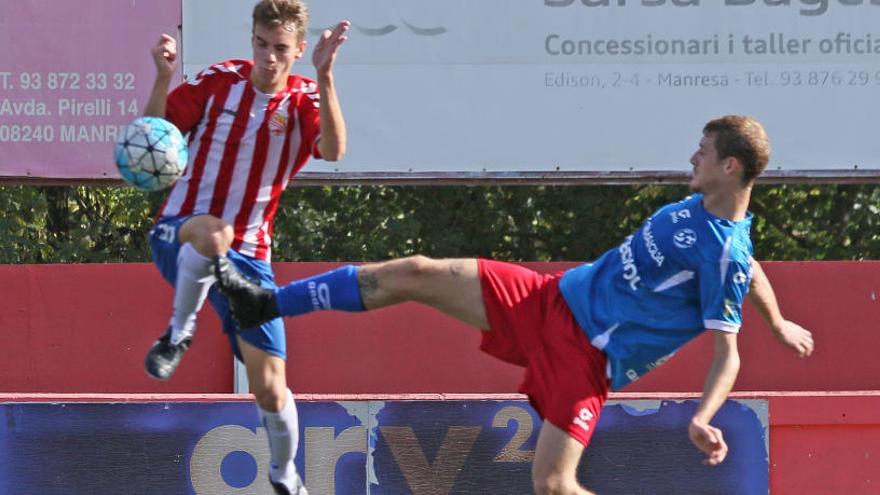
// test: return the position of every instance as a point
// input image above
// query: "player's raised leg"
(449, 285)
(554, 469)
(193, 242)
(277, 410)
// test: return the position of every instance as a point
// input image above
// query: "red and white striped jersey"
(244, 146)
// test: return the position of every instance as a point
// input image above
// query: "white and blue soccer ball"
(151, 153)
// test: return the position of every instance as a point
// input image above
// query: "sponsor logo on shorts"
(740, 278)
(583, 419)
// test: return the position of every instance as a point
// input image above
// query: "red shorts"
(532, 326)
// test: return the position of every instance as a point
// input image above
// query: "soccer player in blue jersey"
(686, 270)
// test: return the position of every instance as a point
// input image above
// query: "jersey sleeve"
(723, 287)
(186, 103)
(310, 116)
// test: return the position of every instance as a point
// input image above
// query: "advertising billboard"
(584, 88)
(537, 90)
(366, 447)
(71, 74)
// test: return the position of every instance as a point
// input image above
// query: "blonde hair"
(292, 15)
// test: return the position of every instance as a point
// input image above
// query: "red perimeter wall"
(86, 329)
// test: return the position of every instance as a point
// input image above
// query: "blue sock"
(337, 289)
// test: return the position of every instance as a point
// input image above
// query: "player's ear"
(732, 166)
(301, 48)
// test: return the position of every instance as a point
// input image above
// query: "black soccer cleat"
(164, 357)
(249, 303)
(299, 489)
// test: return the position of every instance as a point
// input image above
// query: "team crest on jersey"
(278, 123)
(684, 238)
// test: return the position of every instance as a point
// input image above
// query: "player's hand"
(165, 55)
(710, 440)
(795, 336)
(324, 54)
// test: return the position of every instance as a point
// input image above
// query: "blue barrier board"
(365, 447)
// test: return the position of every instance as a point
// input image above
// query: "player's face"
(708, 168)
(275, 51)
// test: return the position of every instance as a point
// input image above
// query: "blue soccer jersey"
(683, 271)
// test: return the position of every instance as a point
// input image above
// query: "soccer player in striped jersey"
(598, 326)
(251, 125)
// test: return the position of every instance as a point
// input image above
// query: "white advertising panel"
(605, 87)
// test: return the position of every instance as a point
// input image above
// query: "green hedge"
(363, 223)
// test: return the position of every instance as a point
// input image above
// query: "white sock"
(283, 430)
(194, 279)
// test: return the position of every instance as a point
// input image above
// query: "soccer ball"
(151, 153)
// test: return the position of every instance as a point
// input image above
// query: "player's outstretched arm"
(719, 382)
(165, 57)
(761, 295)
(333, 137)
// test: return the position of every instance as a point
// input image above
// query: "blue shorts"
(269, 336)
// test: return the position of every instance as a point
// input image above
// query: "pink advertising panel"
(71, 74)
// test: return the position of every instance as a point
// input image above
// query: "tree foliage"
(74, 224)
(364, 223)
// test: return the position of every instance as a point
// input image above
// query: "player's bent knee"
(270, 399)
(419, 266)
(209, 235)
(270, 395)
(221, 240)
(409, 273)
